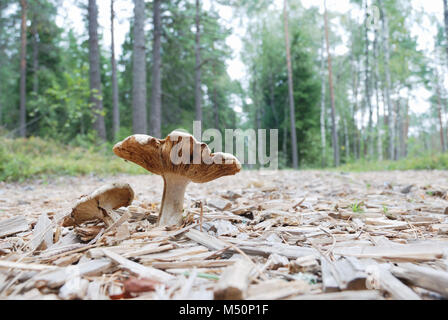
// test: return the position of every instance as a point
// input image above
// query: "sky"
(70, 15)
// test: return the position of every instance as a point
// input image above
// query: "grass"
(357, 207)
(22, 159)
(428, 162)
(36, 158)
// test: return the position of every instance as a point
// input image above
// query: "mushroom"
(179, 159)
(99, 204)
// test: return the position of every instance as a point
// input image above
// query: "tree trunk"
(355, 87)
(156, 96)
(336, 157)
(95, 71)
(215, 98)
(23, 29)
(1, 62)
(295, 160)
(35, 44)
(272, 97)
(322, 108)
(347, 142)
(139, 115)
(197, 77)
(367, 86)
(439, 103)
(406, 129)
(115, 105)
(397, 120)
(388, 85)
(377, 79)
(445, 6)
(399, 131)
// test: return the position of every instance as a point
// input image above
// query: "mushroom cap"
(91, 207)
(155, 156)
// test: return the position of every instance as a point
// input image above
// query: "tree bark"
(439, 103)
(355, 88)
(139, 114)
(322, 107)
(367, 85)
(399, 130)
(23, 32)
(388, 84)
(336, 157)
(295, 161)
(215, 98)
(406, 129)
(347, 141)
(445, 7)
(397, 123)
(156, 96)
(115, 103)
(272, 97)
(95, 71)
(35, 43)
(197, 78)
(1, 63)
(377, 79)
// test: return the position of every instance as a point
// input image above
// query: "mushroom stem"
(172, 200)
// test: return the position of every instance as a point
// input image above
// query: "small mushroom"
(179, 159)
(99, 204)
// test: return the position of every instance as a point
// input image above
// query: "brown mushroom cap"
(155, 156)
(109, 197)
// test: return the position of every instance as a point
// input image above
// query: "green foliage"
(357, 207)
(22, 159)
(268, 90)
(64, 107)
(427, 162)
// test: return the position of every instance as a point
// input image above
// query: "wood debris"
(296, 235)
(12, 226)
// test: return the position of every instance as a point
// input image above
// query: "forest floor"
(289, 234)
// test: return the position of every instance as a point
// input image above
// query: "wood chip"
(12, 226)
(136, 268)
(234, 281)
(424, 277)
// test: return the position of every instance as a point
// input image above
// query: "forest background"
(355, 84)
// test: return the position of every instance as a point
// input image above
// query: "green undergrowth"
(428, 162)
(33, 158)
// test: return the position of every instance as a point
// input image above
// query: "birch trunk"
(406, 128)
(156, 96)
(347, 141)
(377, 79)
(388, 85)
(445, 10)
(336, 157)
(367, 86)
(295, 161)
(439, 104)
(322, 108)
(355, 87)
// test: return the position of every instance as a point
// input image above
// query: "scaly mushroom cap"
(155, 155)
(91, 207)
